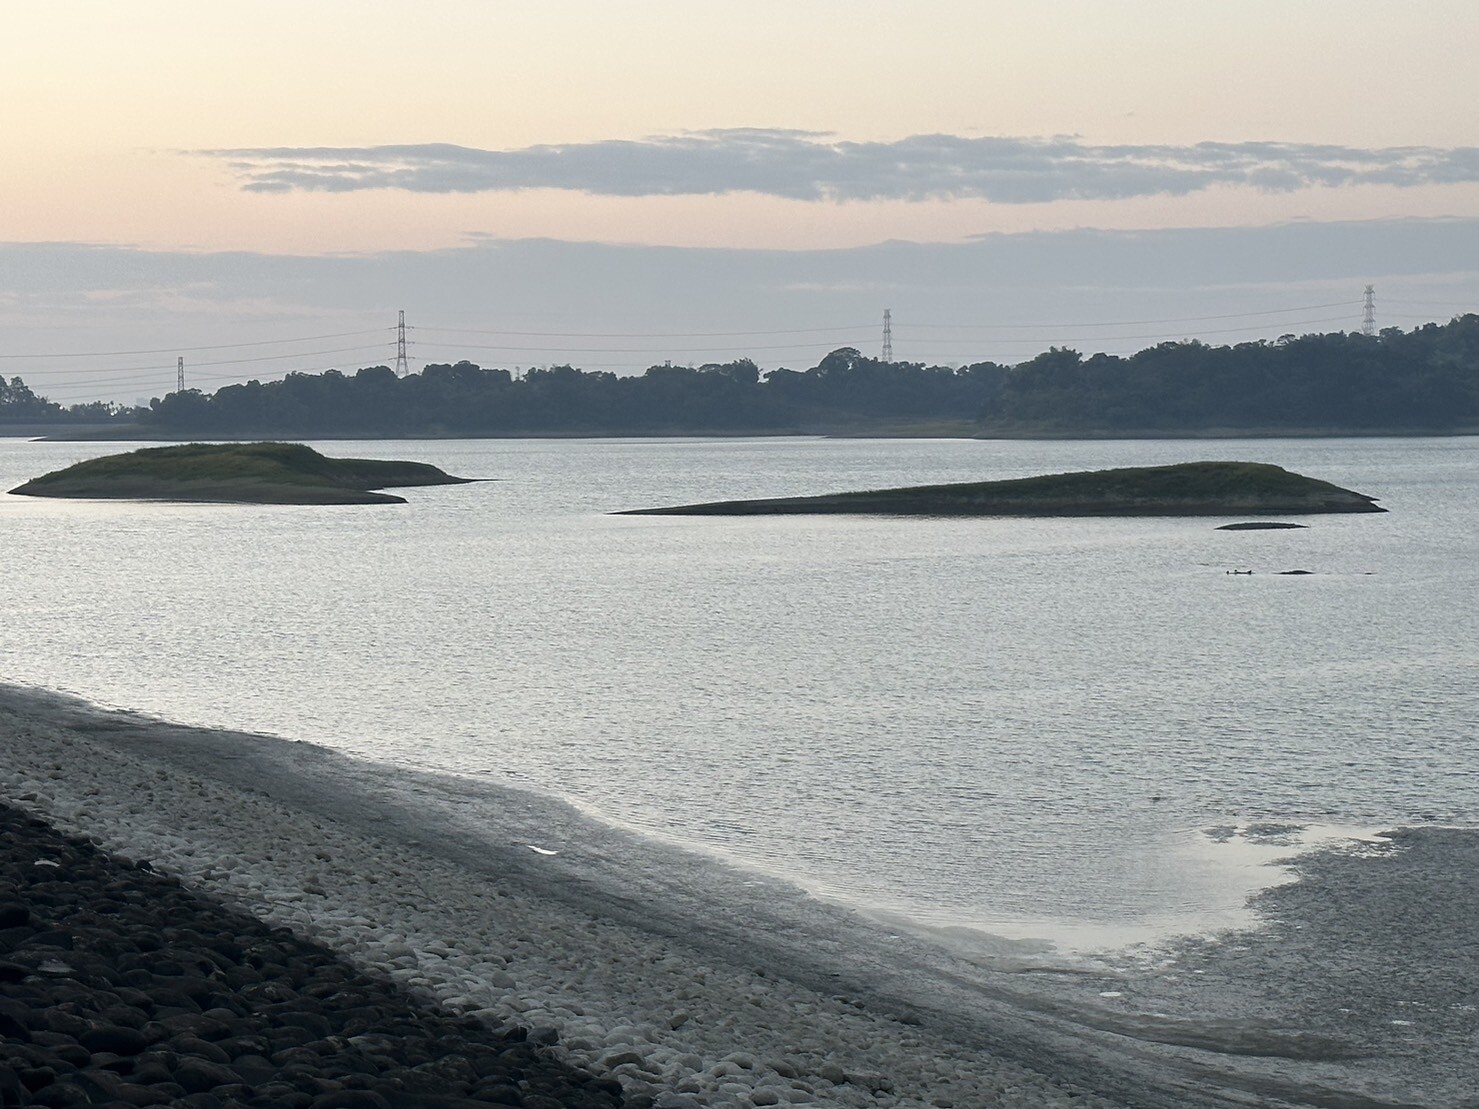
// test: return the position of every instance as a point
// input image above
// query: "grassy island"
(243, 473)
(1184, 489)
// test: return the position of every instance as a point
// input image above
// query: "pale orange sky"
(104, 98)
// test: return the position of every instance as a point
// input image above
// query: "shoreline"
(423, 888)
(42, 433)
(684, 980)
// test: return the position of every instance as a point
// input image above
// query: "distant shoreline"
(62, 434)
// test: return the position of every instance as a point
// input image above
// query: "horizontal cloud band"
(802, 165)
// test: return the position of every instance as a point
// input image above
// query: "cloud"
(807, 166)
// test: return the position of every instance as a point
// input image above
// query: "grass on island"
(253, 473)
(1183, 489)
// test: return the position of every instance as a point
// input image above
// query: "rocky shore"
(689, 984)
(120, 987)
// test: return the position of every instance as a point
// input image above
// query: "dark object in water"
(1261, 525)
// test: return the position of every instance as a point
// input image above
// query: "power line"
(1434, 303)
(853, 329)
(1046, 338)
(615, 350)
(1140, 323)
(214, 362)
(215, 380)
(640, 334)
(1132, 338)
(215, 346)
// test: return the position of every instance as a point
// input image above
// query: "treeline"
(844, 390)
(18, 403)
(1426, 379)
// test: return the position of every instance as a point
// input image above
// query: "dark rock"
(351, 1099)
(58, 938)
(60, 1020)
(153, 1071)
(195, 1047)
(126, 1016)
(114, 1038)
(74, 1054)
(12, 1029)
(141, 1095)
(13, 972)
(60, 1095)
(315, 1023)
(11, 1090)
(13, 939)
(172, 999)
(199, 1075)
(245, 1044)
(501, 1094)
(14, 916)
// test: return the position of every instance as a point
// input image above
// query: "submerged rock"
(1261, 525)
(244, 473)
(1184, 489)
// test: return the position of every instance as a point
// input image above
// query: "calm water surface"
(1026, 727)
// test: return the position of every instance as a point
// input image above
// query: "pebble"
(167, 998)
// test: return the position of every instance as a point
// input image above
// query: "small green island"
(236, 473)
(1183, 489)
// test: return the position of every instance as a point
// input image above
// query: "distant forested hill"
(1425, 380)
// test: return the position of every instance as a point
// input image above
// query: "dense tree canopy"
(846, 389)
(17, 402)
(1426, 379)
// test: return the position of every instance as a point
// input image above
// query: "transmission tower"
(180, 374)
(888, 335)
(402, 367)
(1368, 313)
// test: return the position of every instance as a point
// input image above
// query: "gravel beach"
(511, 932)
(120, 987)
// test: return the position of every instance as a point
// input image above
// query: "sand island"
(1183, 489)
(240, 473)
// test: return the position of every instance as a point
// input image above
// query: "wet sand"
(693, 983)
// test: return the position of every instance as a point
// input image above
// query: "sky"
(261, 187)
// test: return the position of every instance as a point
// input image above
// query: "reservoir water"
(1080, 731)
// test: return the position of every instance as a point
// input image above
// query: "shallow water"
(1022, 727)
